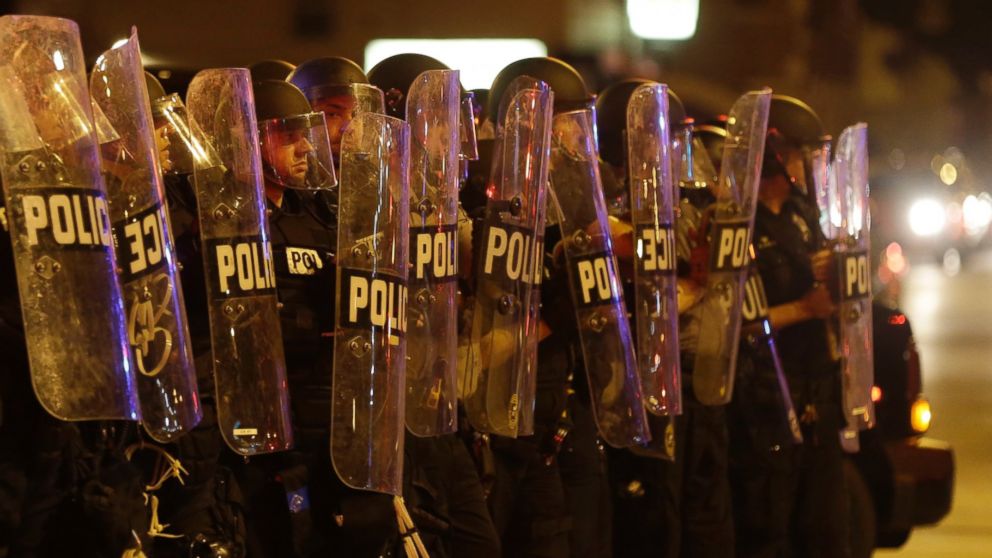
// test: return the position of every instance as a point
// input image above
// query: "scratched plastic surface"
(60, 230)
(153, 296)
(248, 361)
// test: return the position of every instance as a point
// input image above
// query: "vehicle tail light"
(919, 415)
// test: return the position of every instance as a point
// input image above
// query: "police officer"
(296, 506)
(761, 418)
(205, 509)
(441, 485)
(795, 267)
(550, 496)
(679, 506)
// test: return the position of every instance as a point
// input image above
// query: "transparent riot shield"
(601, 316)
(469, 145)
(736, 195)
(59, 222)
(153, 296)
(186, 149)
(853, 246)
(652, 215)
(370, 341)
(499, 372)
(249, 366)
(431, 384)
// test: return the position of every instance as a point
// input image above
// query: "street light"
(670, 20)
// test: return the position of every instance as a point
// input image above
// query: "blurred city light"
(671, 20)
(948, 174)
(977, 214)
(478, 60)
(926, 217)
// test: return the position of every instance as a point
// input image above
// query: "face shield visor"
(341, 104)
(296, 152)
(178, 147)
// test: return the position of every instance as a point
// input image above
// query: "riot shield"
(186, 150)
(469, 145)
(153, 296)
(756, 330)
(652, 215)
(370, 336)
(853, 246)
(499, 372)
(59, 224)
(431, 384)
(248, 362)
(601, 316)
(736, 194)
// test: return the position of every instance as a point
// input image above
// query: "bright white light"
(478, 60)
(58, 60)
(119, 43)
(926, 217)
(977, 213)
(672, 20)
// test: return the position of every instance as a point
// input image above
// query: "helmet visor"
(296, 152)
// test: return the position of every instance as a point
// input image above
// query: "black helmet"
(281, 107)
(324, 72)
(611, 117)
(395, 75)
(154, 87)
(795, 121)
(568, 86)
(278, 99)
(713, 137)
(270, 69)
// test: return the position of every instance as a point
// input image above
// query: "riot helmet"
(340, 89)
(395, 75)
(568, 86)
(270, 69)
(794, 133)
(296, 151)
(154, 87)
(712, 137)
(611, 118)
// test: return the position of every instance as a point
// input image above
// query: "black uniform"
(691, 494)
(296, 506)
(207, 508)
(763, 452)
(65, 488)
(526, 497)
(817, 499)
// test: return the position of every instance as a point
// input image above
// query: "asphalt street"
(951, 317)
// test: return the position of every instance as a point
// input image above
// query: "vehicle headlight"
(919, 415)
(927, 217)
(977, 212)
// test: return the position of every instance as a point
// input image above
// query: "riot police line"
(541, 323)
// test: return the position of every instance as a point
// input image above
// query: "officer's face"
(338, 110)
(286, 152)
